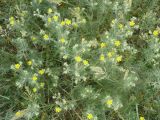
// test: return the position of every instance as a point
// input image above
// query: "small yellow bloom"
(17, 66)
(75, 25)
(12, 20)
(109, 54)
(46, 37)
(155, 33)
(113, 21)
(50, 10)
(132, 23)
(68, 22)
(57, 109)
(102, 58)
(117, 43)
(62, 40)
(62, 23)
(34, 90)
(78, 59)
(41, 72)
(141, 118)
(85, 62)
(119, 59)
(120, 26)
(49, 20)
(29, 62)
(42, 84)
(103, 45)
(33, 38)
(109, 102)
(34, 78)
(18, 114)
(89, 116)
(55, 18)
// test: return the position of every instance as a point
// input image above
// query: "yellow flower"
(34, 90)
(50, 10)
(49, 20)
(109, 54)
(75, 25)
(17, 66)
(46, 37)
(34, 78)
(89, 116)
(113, 21)
(85, 62)
(78, 59)
(62, 40)
(68, 22)
(41, 72)
(29, 62)
(132, 23)
(141, 118)
(57, 109)
(12, 20)
(119, 59)
(117, 43)
(109, 102)
(33, 38)
(155, 33)
(18, 114)
(42, 84)
(120, 26)
(55, 18)
(103, 45)
(62, 23)
(102, 58)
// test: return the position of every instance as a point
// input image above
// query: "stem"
(137, 111)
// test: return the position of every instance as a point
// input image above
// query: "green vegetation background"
(142, 100)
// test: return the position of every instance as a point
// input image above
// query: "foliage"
(79, 60)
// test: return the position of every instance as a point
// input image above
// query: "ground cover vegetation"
(79, 60)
